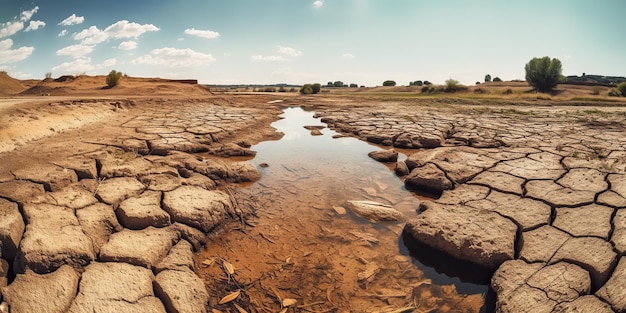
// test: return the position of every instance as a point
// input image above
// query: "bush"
(622, 88)
(508, 91)
(614, 93)
(307, 89)
(452, 85)
(389, 83)
(497, 79)
(316, 87)
(425, 89)
(595, 90)
(543, 73)
(353, 85)
(427, 83)
(113, 78)
(487, 78)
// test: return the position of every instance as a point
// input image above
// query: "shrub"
(338, 84)
(614, 93)
(497, 79)
(389, 83)
(425, 89)
(353, 85)
(113, 78)
(427, 83)
(316, 87)
(543, 73)
(48, 75)
(282, 89)
(307, 89)
(487, 78)
(622, 88)
(595, 90)
(452, 85)
(508, 91)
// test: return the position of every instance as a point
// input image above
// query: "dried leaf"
(229, 268)
(208, 261)
(240, 309)
(230, 297)
(287, 302)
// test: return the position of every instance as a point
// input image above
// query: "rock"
(73, 196)
(403, 141)
(613, 291)
(373, 211)
(597, 220)
(562, 282)
(84, 167)
(114, 190)
(165, 181)
(512, 274)
(593, 254)
(584, 304)
(53, 292)
(618, 238)
(481, 237)
(525, 299)
(144, 247)
(384, 155)
(539, 245)
(231, 150)
(180, 257)
(499, 181)
(11, 229)
(116, 287)
(181, 291)
(198, 207)
(463, 194)
(235, 172)
(558, 195)
(429, 178)
(401, 169)
(384, 140)
(4, 275)
(243, 172)
(53, 238)
(20, 191)
(52, 177)
(98, 222)
(194, 236)
(525, 212)
(459, 163)
(199, 180)
(426, 141)
(122, 164)
(143, 211)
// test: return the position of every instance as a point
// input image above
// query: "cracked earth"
(106, 215)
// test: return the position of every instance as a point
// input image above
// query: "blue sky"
(299, 41)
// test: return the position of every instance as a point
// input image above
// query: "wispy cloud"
(259, 57)
(35, 25)
(75, 51)
(8, 55)
(289, 51)
(318, 4)
(347, 56)
(80, 65)
(172, 57)
(118, 30)
(72, 20)
(91, 36)
(208, 34)
(128, 45)
(12, 27)
(62, 33)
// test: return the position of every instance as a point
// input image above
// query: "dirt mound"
(9, 85)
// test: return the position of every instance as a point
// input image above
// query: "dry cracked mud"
(109, 216)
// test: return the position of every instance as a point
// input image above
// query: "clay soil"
(280, 259)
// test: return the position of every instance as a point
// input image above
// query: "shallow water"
(305, 247)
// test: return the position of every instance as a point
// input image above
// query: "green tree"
(330, 84)
(353, 85)
(452, 85)
(338, 84)
(389, 83)
(427, 83)
(487, 78)
(543, 73)
(621, 88)
(497, 79)
(307, 89)
(113, 78)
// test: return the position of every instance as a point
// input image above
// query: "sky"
(310, 41)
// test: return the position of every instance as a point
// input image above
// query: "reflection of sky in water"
(340, 167)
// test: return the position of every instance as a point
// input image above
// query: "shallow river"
(303, 245)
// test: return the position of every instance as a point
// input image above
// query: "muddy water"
(304, 246)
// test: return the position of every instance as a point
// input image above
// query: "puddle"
(303, 246)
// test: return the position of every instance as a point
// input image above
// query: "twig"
(100, 181)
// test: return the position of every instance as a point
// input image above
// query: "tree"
(543, 73)
(418, 83)
(307, 89)
(330, 84)
(427, 83)
(338, 84)
(497, 79)
(487, 78)
(621, 88)
(113, 78)
(353, 85)
(316, 87)
(452, 85)
(389, 83)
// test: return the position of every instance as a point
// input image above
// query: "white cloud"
(80, 65)
(208, 34)
(72, 20)
(91, 36)
(128, 45)
(126, 29)
(318, 4)
(172, 57)
(259, 57)
(8, 55)
(34, 25)
(27, 15)
(62, 33)
(10, 28)
(289, 51)
(347, 56)
(75, 51)
(108, 63)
